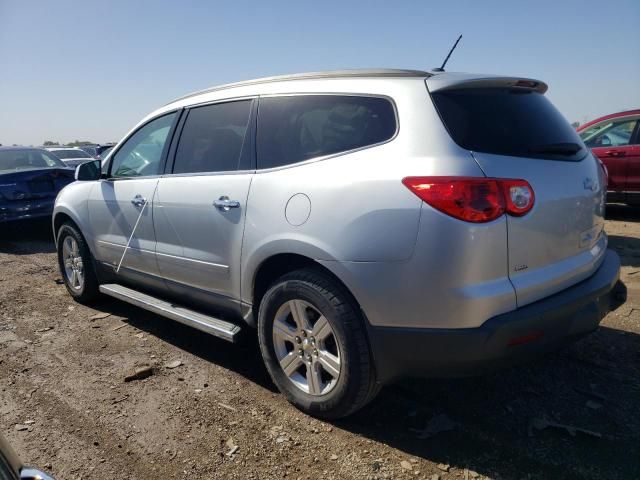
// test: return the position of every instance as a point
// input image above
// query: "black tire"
(356, 384)
(89, 289)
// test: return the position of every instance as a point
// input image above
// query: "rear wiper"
(557, 148)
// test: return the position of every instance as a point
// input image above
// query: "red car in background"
(615, 140)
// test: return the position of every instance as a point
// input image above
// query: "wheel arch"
(63, 215)
(275, 266)
(60, 219)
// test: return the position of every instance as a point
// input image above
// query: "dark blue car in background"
(30, 179)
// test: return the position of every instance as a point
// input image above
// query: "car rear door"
(612, 142)
(513, 131)
(200, 206)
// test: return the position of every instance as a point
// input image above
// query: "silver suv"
(369, 224)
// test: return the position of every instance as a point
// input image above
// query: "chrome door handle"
(615, 153)
(139, 201)
(224, 204)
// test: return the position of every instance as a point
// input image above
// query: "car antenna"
(441, 69)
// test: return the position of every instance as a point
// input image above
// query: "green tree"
(79, 143)
(49, 143)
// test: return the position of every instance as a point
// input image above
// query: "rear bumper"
(630, 197)
(501, 341)
(25, 210)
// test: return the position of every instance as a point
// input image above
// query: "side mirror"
(89, 171)
(31, 474)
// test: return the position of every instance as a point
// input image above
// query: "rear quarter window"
(510, 122)
(292, 129)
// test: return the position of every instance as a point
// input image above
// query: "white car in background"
(71, 156)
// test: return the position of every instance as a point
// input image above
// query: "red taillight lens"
(518, 195)
(473, 199)
(605, 171)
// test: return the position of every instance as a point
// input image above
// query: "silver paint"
(405, 263)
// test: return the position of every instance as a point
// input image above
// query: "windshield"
(26, 159)
(64, 154)
(90, 150)
(504, 121)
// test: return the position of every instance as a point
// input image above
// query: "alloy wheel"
(73, 266)
(306, 347)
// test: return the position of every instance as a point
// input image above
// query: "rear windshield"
(26, 159)
(70, 154)
(508, 122)
(90, 150)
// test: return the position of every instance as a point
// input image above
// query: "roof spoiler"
(444, 82)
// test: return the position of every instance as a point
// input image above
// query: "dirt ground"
(65, 407)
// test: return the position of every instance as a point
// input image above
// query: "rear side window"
(296, 128)
(504, 121)
(213, 138)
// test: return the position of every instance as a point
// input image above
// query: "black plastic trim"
(448, 352)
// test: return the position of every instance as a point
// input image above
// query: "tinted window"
(90, 150)
(611, 133)
(102, 148)
(65, 154)
(212, 138)
(508, 122)
(141, 153)
(296, 128)
(25, 159)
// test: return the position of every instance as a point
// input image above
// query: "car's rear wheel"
(314, 344)
(76, 264)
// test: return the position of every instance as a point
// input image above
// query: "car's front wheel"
(76, 264)
(314, 345)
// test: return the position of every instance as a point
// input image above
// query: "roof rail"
(380, 72)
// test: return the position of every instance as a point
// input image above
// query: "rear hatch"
(33, 184)
(513, 131)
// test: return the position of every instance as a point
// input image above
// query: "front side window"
(611, 133)
(213, 137)
(296, 128)
(141, 154)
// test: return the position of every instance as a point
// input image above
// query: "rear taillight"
(605, 171)
(473, 199)
(518, 195)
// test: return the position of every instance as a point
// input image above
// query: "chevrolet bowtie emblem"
(590, 184)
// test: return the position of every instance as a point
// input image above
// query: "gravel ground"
(65, 407)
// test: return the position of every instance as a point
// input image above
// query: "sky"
(90, 70)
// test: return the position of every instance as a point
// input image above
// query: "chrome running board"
(211, 325)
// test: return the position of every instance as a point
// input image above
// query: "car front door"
(633, 165)
(200, 205)
(611, 142)
(124, 200)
